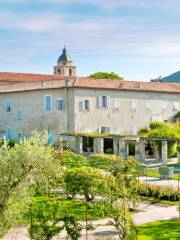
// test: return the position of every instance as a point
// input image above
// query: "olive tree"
(123, 197)
(23, 168)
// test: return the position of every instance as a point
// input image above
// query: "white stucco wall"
(34, 114)
(123, 120)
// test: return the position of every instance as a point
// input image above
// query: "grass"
(156, 200)
(77, 208)
(154, 172)
(174, 165)
(162, 230)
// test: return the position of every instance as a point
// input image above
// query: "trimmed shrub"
(159, 192)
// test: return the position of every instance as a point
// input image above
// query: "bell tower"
(65, 66)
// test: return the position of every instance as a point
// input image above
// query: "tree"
(164, 130)
(24, 168)
(45, 220)
(123, 197)
(87, 181)
(106, 75)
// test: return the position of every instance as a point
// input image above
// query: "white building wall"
(126, 113)
(122, 117)
(34, 114)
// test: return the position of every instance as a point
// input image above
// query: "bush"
(159, 192)
(72, 160)
(157, 125)
(11, 143)
(104, 162)
(109, 151)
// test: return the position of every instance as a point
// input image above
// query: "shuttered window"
(147, 105)
(8, 106)
(84, 105)
(103, 101)
(48, 103)
(19, 115)
(60, 104)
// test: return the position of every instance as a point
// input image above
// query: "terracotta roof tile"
(27, 77)
(127, 85)
(27, 82)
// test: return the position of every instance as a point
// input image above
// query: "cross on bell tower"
(65, 66)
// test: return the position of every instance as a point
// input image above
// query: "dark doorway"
(87, 144)
(108, 146)
(131, 149)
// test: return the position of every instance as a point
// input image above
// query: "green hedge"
(159, 192)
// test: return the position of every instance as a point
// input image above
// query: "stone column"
(126, 151)
(122, 148)
(137, 151)
(98, 145)
(164, 153)
(178, 157)
(116, 146)
(79, 145)
(142, 156)
(156, 152)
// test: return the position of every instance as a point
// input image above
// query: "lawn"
(154, 172)
(74, 207)
(174, 165)
(162, 230)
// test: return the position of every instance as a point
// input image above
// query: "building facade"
(63, 103)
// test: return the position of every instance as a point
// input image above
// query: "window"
(19, 136)
(176, 106)
(60, 104)
(105, 130)
(8, 107)
(70, 72)
(163, 106)
(103, 101)
(147, 105)
(19, 115)
(84, 105)
(48, 103)
(116, 104)
(9, 133)
(133, 104)
(50, 139)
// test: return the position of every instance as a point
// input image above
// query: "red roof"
(26, 77)
(127, 85)
(28, 81)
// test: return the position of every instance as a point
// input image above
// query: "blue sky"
(139, 39)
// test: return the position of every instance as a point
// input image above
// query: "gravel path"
(148, 213)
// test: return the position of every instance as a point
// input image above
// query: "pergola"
(120, 145)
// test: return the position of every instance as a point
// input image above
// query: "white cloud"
(29, 21)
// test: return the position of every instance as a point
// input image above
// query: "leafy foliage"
(24, 168)
(106, 75)
(87, 181)
(163, 130)
(45, 221)
(159, 192)
(72, 160)
(122, 197)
